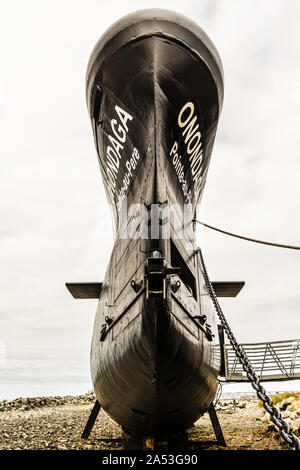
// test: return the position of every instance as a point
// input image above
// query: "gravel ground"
(57, 423)
(242, 430)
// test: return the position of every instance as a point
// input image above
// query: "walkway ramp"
(276, 360)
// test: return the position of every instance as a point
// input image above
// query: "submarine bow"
(154, 92)
(154, 89)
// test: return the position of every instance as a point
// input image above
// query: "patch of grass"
(280, 397)
(197, 427)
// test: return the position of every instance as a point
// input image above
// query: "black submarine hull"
(154, 93)
(159, 377)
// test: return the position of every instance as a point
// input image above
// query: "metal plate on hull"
(125, 322)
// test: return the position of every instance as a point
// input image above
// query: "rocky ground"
(57, 423)
(290, 411)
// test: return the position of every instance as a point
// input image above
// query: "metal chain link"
(275, 415)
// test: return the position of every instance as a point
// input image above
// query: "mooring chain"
(275, 415)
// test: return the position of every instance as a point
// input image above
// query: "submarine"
(154, 91)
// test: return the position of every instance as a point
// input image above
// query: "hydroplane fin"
(84, 290)
(227, 289)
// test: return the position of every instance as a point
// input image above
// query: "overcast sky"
(55, 223)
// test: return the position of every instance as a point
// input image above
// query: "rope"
(280, 245)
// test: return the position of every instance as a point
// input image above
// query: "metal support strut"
(216, 425)
(91, 421)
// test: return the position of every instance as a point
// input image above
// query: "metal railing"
(276, 360)
(238, 395)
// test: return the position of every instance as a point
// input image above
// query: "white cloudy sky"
(55, 223)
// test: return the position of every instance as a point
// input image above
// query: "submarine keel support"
(91, 421)
(131, 442)
(176, 442)
(216, 425)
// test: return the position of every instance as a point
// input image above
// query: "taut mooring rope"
(280, 245)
